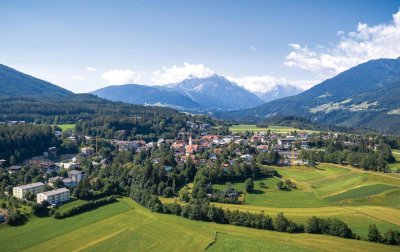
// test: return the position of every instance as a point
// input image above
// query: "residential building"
(287, 142)
(68, 165)
(70, 183)
(51, 152)
(14, 168)
(21, 191)
(54, 197)
(54, 179)
(76, 175)
(246, 157)
(87, 151)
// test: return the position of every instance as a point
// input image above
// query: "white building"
(87, 151)
(69, 183)
(76, 175)
(54, 179)
(68, 165)
(21, 191)
(55, 197)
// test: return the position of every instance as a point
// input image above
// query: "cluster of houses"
(185, 146)
(54, 197)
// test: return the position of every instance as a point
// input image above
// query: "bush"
(280, 185)
(328, 226)
(84, 207)
(249, 185)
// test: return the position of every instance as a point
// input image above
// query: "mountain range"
(366, 96)
(214, 92)
(280, 91)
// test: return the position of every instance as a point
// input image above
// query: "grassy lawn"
(271, 196)
(126, 226)
(65, 127)
(361, 192)
(272, 128)
(228, 242)
(45, 230)
(396, 165)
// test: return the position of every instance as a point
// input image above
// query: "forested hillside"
(21, 141)
(16, 84)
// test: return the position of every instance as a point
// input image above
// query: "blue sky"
(85, 45)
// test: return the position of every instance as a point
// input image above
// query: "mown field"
(272, 128)
(126, 226)
(396, 165)
(65, 127)
(356, 197)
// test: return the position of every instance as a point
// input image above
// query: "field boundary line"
(213, 241)
(395, 177)
(104, 238)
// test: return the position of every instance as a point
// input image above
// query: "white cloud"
(178, 73)
(252, 48)
(353, 48)
(263, 83)
(121, 76)
(258, 83)
(91, 69)
(305, 84)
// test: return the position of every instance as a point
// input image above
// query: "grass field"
(396, 165)
(126, 226)
(272, 128)
(359, 198)
(65, 127)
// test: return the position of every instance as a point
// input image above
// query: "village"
(62, 173)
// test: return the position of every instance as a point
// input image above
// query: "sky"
(86, 45)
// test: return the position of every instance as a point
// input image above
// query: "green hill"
(14, 83)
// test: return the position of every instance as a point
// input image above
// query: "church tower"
(190, 138)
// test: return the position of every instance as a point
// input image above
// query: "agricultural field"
(126, 226)
(359, 198)
(272, 128)
(396, 165)
(65, 127)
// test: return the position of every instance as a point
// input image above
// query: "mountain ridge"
(14, 83)
(364, 95)
(214, 92)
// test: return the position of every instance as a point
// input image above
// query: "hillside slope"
(363, 96)
(14, 83)
(141, 94)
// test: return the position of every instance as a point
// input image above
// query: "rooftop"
(30, 185)
(55, 192)
(75, 172)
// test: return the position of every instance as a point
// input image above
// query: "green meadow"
(126, 226)
(396, 165)
(273, 128)
(65, 127)
(359, 198)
